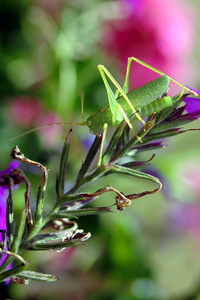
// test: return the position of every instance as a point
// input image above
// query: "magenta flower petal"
(143, 32)
(3, 195)
(2, 217)
(12, 165)
(2, 209)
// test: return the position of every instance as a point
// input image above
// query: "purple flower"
(178, 118)
(3, 196)
(192, 104)
(2, 209)
(13, 165)
(86, 141)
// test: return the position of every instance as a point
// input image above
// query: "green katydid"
(139, 103)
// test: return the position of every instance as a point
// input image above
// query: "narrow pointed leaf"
(63, 166)
(19, 230)
(135, 173)
(31, 275)
(82, 212)
(13, 271)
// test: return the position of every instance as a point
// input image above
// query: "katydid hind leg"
(126, 118)
(119, 108)
(126, 82)
(162, 73)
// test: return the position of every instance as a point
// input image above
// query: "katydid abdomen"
(145, 100)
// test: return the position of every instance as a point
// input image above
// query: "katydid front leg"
(105, 126)
(118, 113)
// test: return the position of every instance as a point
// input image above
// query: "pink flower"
(191, 178)
(157, 32)
(50, 134)
(29, 112)
(185, 217)
(55, 263)
(24, 110)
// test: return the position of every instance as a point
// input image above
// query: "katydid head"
(92, 125)
(95, 121)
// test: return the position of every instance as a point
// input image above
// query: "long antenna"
(55, 124)
(45, 126)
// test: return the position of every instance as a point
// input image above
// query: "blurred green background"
(49, 52)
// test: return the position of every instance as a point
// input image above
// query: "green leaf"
(31, 275)
(19, 229)
(135, 173)
(63, 166)
(13, 271)
(82, 212)
(89, 158)
(58, 240)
